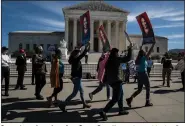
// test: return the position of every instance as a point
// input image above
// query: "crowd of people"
(111, 78)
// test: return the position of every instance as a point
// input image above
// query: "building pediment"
(95, 6)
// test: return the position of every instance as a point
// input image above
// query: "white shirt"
(180, 65)
(5, 60)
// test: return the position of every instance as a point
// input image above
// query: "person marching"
(101, 85)
(112, 78)
(5, 69)
(21, 68)
(143, 78)
(40, 72)
(57, 72)
(180, 66)
(76, 73)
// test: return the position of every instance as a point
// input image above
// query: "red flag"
(104, 39)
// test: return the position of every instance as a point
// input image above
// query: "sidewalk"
(21, 106)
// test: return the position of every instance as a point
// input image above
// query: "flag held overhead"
(104, 39)
(146, 28)
(85, 26)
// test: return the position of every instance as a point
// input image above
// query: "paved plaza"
(21, 105)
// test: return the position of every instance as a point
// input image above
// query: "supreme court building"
(112, 18)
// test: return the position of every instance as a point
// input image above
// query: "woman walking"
(76, 73)
(57, 72)
(143, 78)
(112, 78)
(101, 85)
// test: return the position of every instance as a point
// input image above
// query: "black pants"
(33, 77)
(5, 73)
(57, 90)
(127, 75)
(182, 77)
(148, 71)
(116, 98)
(20, 79)
(86, 58)
(40, 81)
(143, 80)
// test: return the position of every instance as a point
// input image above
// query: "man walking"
(5, 69)
(40, 72)
(21, 68)
(167, 68)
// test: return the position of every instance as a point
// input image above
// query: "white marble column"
(116, 35)
(109, 31)
(100, 43)
(74, 33)
(125, 39)
(66, 31)
(92, 36)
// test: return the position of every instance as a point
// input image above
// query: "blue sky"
(167, 17)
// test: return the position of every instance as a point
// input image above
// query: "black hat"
(4, 48)
(115, 50)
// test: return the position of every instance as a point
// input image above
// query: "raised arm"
(84, 52)
(126, 58)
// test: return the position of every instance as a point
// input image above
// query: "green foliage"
(173, 55)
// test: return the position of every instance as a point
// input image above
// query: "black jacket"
(112, 68)
(76, 65)
(21, 63)
(167, 62)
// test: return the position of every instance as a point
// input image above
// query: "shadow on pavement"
(166, 91)
(7, 100)
(156, 80)
(92, 86)
(177, 81)
(49, 116)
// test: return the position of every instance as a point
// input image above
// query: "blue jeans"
(77, 87)
(100, 87)
(143, 80)
(117, 97)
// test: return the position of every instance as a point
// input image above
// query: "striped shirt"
(180, 65)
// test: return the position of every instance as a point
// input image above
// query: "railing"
(90, 68)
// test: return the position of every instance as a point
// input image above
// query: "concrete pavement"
(21, 105)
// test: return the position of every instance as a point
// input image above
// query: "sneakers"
(129, 100)
(49, 101)
(103, 115)
(124, 112)
(86, 106)
(23, 88)
(39, 97)
(62, 107)
(110, 98)
(91, 96)
(148, 103)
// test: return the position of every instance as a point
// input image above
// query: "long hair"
(112, 57)
(73, 55)
(140, 55)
